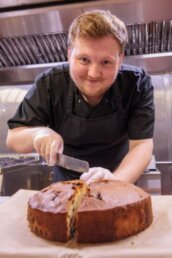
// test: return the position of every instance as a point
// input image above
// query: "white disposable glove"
(48, 143)
(97, 173)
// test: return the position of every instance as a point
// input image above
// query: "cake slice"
(52, 211)
(112, 210)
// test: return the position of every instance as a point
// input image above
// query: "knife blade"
(65, 161)
(71, 163)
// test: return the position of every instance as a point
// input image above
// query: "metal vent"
(147, 38)
(33, 49)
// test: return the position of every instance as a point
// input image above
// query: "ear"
(121, 58)
(69, 51)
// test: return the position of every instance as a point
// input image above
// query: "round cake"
(102, 211)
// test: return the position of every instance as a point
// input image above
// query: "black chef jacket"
(97, 134)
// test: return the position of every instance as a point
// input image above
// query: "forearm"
(45, 141)
(136, 161)
(21, 139)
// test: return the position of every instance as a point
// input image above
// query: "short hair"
(98, 23)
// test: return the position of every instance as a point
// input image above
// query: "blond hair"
(98, 23)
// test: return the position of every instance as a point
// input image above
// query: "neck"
(93, 101)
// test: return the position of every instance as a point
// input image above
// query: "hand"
(97, 173)
(48, 143)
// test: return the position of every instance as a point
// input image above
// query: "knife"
(71, 163)
(65, 161)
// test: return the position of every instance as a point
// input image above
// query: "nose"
(94, 71)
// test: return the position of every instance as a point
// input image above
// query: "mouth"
(93, 80)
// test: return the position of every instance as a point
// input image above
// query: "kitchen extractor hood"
(33, 33)
(146, 38)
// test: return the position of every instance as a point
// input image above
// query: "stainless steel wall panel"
(9, 3)
(153, 63)
(162, 121)
(163, 128)
(10, 97)
(138, 11)
(22, 74)
(29, 23)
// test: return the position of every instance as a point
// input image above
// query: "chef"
(92, 107)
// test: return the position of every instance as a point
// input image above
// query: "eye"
(107, 62)
(84, 60)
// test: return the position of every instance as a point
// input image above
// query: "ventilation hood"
(33, 33)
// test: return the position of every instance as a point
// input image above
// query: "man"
(93, 108)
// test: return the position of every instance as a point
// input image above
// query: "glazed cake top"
(101, 195)
(56, 197)
(109, 194)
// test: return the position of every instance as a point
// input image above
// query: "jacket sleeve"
(141, 115)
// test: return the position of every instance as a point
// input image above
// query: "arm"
(136, 160)
(43, 140)
(20, 139)
(130, 168)
(29, 129)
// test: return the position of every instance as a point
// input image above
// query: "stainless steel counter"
(16, 173)
(151, 182)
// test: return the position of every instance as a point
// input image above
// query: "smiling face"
(94, 65)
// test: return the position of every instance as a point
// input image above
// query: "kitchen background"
(33, 38)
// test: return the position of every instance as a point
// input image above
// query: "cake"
(104, 211)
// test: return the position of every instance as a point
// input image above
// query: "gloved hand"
(97, 173)
(47, 143)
